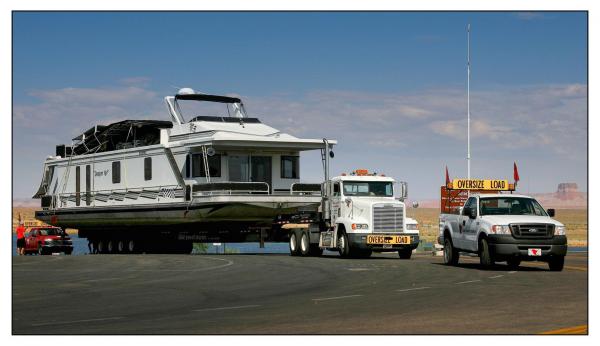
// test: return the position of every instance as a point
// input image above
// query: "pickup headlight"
(500, 229)
(560, 230)
(360, 226)
(412, 226)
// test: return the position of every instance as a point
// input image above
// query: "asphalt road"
(279, 294)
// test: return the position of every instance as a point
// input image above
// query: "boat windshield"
(510, 206)
(368, 188)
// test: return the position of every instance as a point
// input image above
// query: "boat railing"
(305, 189)
(230, 188)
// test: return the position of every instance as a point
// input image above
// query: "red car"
(47, 240)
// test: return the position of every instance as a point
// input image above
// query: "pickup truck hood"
(508, 219)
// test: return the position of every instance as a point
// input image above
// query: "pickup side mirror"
(551, 212)
(460, 210)
(473, 213)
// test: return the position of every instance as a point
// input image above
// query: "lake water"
(80, 247)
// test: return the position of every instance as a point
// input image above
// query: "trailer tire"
(121, 246)
(556, 263)
(344, 245)
(486, 258)
(451, 255)
(304, 243)
(111, 246)
(293, 243)
(405, 253)
(101, 247)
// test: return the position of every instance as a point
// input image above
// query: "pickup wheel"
(451, 255)
(556, 263)
(344, 245)
(485, 256)
(304, 244)
(405, 253)
(40, 250)
(294, 243)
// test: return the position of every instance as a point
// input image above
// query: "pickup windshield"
(368, 188)
(50, 231)
(510, 206)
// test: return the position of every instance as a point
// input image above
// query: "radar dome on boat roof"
(186, 91)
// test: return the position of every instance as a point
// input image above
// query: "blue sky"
(390, 86)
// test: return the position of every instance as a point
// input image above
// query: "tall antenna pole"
(469, 101)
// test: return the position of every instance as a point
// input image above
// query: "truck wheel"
(304, 244)
(451, 255)
(485, 257)
(121, 248)
(110, 246)
(513, 263)
(405, 253)
(101, 247)
(294, 243)
(132, 246)
(315, 250)
(344, 245)
(556, 263)
(40, 250)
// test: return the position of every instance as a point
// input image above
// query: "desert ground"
(574, 219)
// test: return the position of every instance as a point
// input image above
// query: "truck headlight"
(412, 226)
(360, 226)
(560, 230)
(500, 229)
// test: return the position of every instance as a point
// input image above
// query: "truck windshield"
(368, 188)
(510, 206)
(49, 231)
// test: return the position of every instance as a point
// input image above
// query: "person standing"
(21, 239)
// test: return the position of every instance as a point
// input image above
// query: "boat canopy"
(210, 98)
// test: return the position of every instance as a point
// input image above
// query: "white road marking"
(466, 282)
(514, 271)
(358, 269)
(76, 321)
(340, 297)
(99, 280)
(228, 308)
(495, 277)
(412, 289)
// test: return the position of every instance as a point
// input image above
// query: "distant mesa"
(567, 196)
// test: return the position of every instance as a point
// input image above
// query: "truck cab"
(503, 227)
(368, 217)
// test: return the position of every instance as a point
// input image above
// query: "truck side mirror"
(551, 212)
(403, 190)
(472, 213)
(460, 210)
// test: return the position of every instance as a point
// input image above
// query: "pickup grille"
(388, 218)
(532, 231)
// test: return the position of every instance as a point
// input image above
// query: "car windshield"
(510, 206)
(49, 231)
(368, 188)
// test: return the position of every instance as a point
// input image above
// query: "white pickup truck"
(503, 227)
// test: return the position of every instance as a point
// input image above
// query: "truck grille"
(532, 231)
(388, 218)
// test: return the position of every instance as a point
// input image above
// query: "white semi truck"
(498, 226)
(361, 215)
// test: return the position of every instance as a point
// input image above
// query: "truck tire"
(132, 246)
(556, 263)
(344, 245)
(101, 246)
(513, 263)
(40, 250)
(405, 253)
(294, 243)
(121, 246)
(486, 258)
(451, 255)
(304, 244)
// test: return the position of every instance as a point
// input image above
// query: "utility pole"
(469, 101)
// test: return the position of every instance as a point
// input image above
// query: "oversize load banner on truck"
(480, 184)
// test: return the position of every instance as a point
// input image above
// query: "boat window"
(88, 185)
(239, 168)
(116, 172)
(290, 167)
(214, 165)
(148, 168)
(77, 186)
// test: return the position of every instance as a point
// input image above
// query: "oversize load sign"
(480, 184)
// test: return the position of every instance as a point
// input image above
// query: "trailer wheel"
(451, 255)
(556, 263)
(304, 244)
(101, 246)
(294, 243)
(121, 248)
(405, 253)
(344, 245)
(485, 256)
(111, 246)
